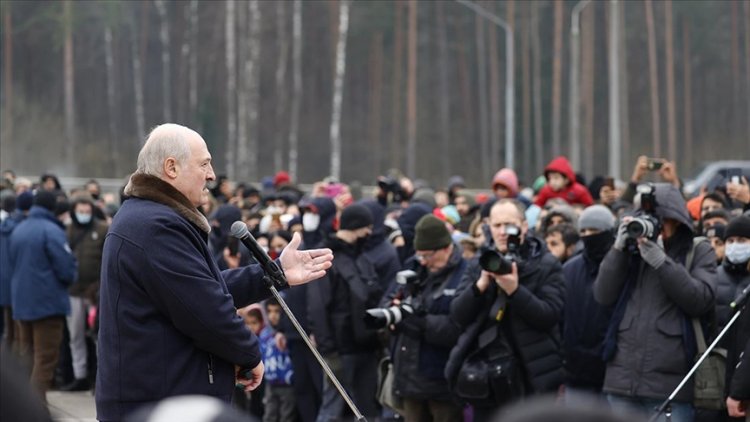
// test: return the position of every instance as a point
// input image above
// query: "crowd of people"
(472, 299)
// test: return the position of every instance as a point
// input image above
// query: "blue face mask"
(83, 218)
(738, 253)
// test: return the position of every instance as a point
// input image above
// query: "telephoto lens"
(377, 318)
(491, 260)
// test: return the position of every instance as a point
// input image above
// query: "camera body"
(645, 222)
(391, 185)
(409, 282)
(490, 259)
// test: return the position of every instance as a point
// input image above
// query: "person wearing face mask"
(336, 307)
(86, 236)
(584, 320)
(561, 183)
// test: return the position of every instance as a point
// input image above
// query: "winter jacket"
(168, 324)
(6, 229)
(278, 365)
(739, 386)
(652, 354)
(531, 319)
(419, 357)
(338, 301)
(42, 267)
(585, 323)
(87, 242)
(573, 193)
(731, 280)
(378, 249)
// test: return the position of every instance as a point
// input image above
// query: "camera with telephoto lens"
(409, 281)
(495, 262)
(393, 186)
(645, 223)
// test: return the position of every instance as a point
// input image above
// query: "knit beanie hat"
(355, 217)
(739, 226)
(508, 178)
(45, 199)
(597, 217)
(24, 201)
(431, 234)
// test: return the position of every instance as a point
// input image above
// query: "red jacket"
(574, 193)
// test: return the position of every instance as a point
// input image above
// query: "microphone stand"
(739, 306)
(275, 277)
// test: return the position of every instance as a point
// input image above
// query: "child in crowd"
(252, 402)
(279, 399)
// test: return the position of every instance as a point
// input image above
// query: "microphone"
(741, 299)
(273, 271)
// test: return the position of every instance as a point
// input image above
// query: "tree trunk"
(615, 152)
(411, 102)
(376, 99)
(624, 93)
(296, 88)
(8, 75)
(109, 64)
(526, 96)
(746, 141)
(588, 77)
(484, 147)
(671, 119)
(464, 83)
(536, 49)
(69, 85)
(140, 118)
(653, 70)
(244, 65)
(193, 63)
(495, 131)
(166, 73)
(247, 151)
(557, 78)
(281, 85)
(338, 89)
(231, 66)
(736, 83)
(445, 113)
(687, 159)
(398, 64)
(510, 97)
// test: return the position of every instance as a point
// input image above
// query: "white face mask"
(83, 218)
(737, 253)
(310, 221)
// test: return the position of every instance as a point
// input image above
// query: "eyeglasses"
(425, 256)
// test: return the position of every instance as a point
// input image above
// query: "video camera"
(409, 281)
(490, 259)
(645, 223)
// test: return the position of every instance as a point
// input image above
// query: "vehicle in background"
(713, 174)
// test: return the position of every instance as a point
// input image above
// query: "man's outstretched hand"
(301, 267)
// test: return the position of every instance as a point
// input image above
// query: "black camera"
(493, 261)
(391, 185)
(645, 222)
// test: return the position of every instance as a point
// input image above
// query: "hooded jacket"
(573, 193)
(86, 241)
(168, 324)
(651, 357)
(42, 267)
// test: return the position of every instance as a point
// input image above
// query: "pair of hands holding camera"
(507, 282)
(650, 251)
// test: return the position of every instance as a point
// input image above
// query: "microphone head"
(239, 229)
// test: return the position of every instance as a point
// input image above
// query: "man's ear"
(170, 167)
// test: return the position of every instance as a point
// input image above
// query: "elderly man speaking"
(167, 313)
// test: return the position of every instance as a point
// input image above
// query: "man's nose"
(210, 175)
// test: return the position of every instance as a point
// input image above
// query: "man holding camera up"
(648, 342)
(424, 337)
(509, 307)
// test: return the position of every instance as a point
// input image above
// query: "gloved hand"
(652, 253)
(622, 236)
(413, 326)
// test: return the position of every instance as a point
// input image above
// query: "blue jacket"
(42, 266)
(278, 364)
(6, 229)
(168, 324)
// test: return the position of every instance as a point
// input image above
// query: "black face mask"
(361, 242)
(595, 246)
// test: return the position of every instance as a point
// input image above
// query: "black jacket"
(531, 318)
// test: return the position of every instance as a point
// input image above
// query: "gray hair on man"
(164, 141)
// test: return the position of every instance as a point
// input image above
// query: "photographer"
(423, 338)
(510, 320)
(649, 339)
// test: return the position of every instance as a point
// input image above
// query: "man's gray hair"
(164, 141)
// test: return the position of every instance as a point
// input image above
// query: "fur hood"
(152, 188)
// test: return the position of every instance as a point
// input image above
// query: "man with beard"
(584, 320)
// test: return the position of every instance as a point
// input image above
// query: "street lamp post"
(509, 84)
(574, 105)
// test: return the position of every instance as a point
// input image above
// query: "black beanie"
(431, 234)
(739, 226)
(355, 217)
(45, 199)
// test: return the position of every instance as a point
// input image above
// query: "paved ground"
(72, 407)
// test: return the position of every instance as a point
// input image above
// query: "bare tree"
(494, 115)
(654, 77)
(536, 50)
(557, 77)
(193, 62)
(296, 87)
(735, 55)
(282, 40)
(69, 78)
(243, 62)
(8, 71)
(445, 127)
(746, 4)
(614, 89)
(411, 101)
(588, 77)
(687, 90)
(166, 79)
(109, 64)
(669, 70)
(231, 65)
(376, 98)
(140, 119)
(338, 89)
(624, 93)
(398, 64)
(481, 51)
(526, 93)
(247, 148)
